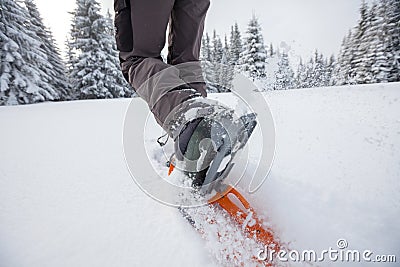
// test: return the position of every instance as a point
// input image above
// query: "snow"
(336, 170)
(67, 199)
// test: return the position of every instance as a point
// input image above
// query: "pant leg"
(162, 88)
(141, 37)
(158, 83)
(186, 31)
(141, 26)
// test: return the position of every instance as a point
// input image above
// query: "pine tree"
(217, 70)
(70, 58)
(217, 67)
(359, 61)
(371, 40)
(217, 48)
(115, 80)
(301, 76)
(22, 79)
(372, 52)
(227, 69)
(310, 73)
(393, 28)
(271, 50)
(330, 67)
(319, 71)
(235, 45)
(284, 74)
(207, 64)
(95, 72)
(206, 48)
(226, 51)
(56, 70)
(381, 67)
(343, 72)
(254, 56)
(216, 57)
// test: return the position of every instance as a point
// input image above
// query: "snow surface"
(67, 199)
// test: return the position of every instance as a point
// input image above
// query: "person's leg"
(140, 43)
(148, 22)
(186, 31)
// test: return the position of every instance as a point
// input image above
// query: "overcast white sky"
(304, 25)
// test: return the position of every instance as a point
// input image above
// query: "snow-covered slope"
(67, 199)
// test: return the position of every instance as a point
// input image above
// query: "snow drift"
(67, 199)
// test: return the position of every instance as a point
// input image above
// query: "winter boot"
(206, 146)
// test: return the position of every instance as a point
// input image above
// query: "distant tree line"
(32, 69)
(369, 54)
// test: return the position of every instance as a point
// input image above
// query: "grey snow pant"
(140, 35)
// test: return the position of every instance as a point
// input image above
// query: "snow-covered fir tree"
(387, 64)
(271, 50)
(23, 60)
(254, 56)
(216, 59)
(394, 31)
(227, 69)
(361, 40)
(371, 52)
(310, 67)
(343, 71)
(301, 80)
(370, 41)
(381, 67)
(318, 78)
(329, 80)
(317, 72)
(207, 64)
(206, 48)
(95, 72)
(227, 49)
(70, 57)
(284, 74)
(217, 70)
(217, 48)
(235, 48)
(308, 75)
(57, 71)
(115, 79)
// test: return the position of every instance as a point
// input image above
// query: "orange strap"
(255, 229)
(171, 169)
